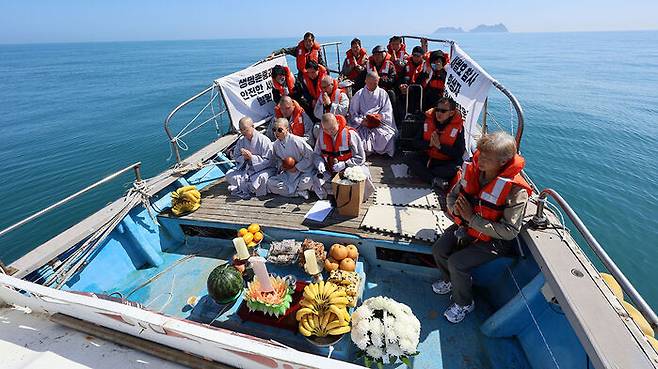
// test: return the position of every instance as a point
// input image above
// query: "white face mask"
(281, 79)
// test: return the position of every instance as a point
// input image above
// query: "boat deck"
(277, 211)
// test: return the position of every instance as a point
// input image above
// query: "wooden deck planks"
(276, 211)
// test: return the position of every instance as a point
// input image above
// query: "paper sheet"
(319, 211)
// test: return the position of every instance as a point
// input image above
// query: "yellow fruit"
(248, 237)
(253, 228)
(242, 232)
(258, 237)
(252, 244)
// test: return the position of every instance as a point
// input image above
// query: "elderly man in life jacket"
(433, 78)
(371, 114)
(294, 161)
(253, 167)
(441, 146)
(488, 205)
(333, 99)
(300, 124)
(380, 62)
(307, 49)
(354, 66)
(312, 86)
(338, 147)
(283, 83)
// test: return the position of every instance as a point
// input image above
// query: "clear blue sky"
(77, 20)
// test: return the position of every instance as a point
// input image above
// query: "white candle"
(260, 270)
(241, 248)
(311, 262)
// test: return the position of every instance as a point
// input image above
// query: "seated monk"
(338, 147)
(441, 147)
(488, 205)
(293, 159)
(433, 78)
(300, 123)
(252, 154)
(283, 83)
(332, 100)
(371, 113)
(312, 85)
(354, 66)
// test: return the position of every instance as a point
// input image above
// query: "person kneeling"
(294, 162)
(488, 205)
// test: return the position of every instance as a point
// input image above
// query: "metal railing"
(326, 60)
(540, 220)
(136, 167)
(517, 106)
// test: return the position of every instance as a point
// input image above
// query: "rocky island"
(482, 28)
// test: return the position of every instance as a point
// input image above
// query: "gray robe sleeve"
(261, 159)
(306, 152)
(356, 117)
(358, 152)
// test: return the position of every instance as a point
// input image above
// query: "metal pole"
(69, 198)
(519, 112)
(484, 116)
(626, 285)
(174, 145)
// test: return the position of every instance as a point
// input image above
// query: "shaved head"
(246, 127)
(329, 124)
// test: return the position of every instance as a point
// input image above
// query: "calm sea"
(73, 113)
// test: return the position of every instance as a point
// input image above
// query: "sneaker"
(442, 287)
(456, 313)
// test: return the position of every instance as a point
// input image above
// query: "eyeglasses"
(439, 110)
(277, 130)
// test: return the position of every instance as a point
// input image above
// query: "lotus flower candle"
(273, 303)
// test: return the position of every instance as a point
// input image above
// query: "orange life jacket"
(353, 61)
(315, 88)
(384, 69)
(447, 136)
(289, 86)
(304, 55)
(340, 149)
(411, 70)
(296, 120)
(488, 201)
(397, 55)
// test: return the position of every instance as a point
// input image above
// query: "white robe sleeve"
(356, 116)
(358, 152)
(386, 110)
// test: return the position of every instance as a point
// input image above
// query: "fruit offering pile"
(251, 235)
(320, 253)
(284, 252)
(341, 257)
(347, 281)
(324, 311)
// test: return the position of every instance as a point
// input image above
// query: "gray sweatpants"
(456, 262)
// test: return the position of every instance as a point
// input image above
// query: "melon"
(225, 283)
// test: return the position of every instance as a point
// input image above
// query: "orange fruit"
(258, 237)
(251, 244)
(348, 265)
(253, 228)
(242, 232)
(338, 251)
(352, 252)
(248, 237)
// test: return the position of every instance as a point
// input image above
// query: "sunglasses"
(277, 130)
(439, 110)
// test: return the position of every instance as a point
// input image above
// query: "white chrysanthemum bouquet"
(385, 330)
(354, 174)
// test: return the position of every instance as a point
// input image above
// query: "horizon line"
(283, 37)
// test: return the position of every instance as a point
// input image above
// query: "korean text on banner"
(468, 84)
(249, 92)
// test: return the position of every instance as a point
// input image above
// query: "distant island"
(481, 29)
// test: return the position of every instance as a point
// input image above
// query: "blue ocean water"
(73, 113)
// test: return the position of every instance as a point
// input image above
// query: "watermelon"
(225, 283)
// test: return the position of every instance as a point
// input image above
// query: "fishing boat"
(135, 274)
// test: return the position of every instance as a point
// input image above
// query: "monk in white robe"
(371, 114)
(332, 156)
(333, 99)
(253, 167)
(299, 178)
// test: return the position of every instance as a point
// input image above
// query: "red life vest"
(488, 201)
(290, 83)
(335, 95)
(447, 136)
(411, 70)
(315, 88)
(384, 69)
(304, 55)
(397, 55)
(435, 80)
(353, 61)
(340, 149)
(296, 120)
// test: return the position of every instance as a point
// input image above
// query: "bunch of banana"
(324, 310)
(185, 200)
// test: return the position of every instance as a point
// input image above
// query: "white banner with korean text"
(249, 92)
(468, 84)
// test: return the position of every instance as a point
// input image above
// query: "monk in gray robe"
(295, 176)
(253, 167)
(371, 114)
(299, 123)
(331, 156)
